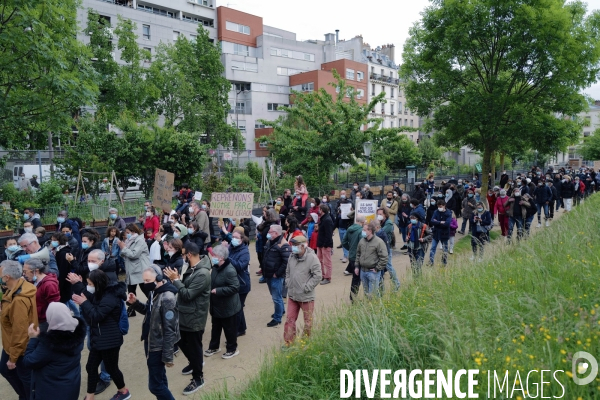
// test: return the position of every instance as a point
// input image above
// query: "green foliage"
(9, 219)
(254, 172)
(243, 183)
(430, 152)
(49, 194)
(394, 150)
(525, 307)
(590, 149)
(45, 72)
(495, 75)
(320, 132)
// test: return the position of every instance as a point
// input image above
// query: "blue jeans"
(416, 257)
(404, 232)
(157, 375)
(390, 268)
(104, 376)
(434, 245)
(539, 211)
(275, 288)
(370, 282)
(19, 378)
(342, 232)
(73, 307)
(181, 207)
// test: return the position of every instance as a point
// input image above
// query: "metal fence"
(89, 212)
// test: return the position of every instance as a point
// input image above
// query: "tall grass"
(526, 306)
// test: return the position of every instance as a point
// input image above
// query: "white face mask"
(312, 204)
(148, 214)
(93, 266)
(440, 209)
(28, 230)
(91, 289)
(380, 218)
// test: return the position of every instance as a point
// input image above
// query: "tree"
(320, 133)
(45, 72)
(590, 149)
(500, 75)
(429, 151)
(395, 151)
(193, 93)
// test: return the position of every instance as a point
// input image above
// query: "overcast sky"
(379, 22)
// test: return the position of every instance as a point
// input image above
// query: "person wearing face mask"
(151, 222)
(554, 199)
(419, 194)
(74, 244)
(239, 257)
(303, 274)
(387, 226)
(160, 329)
(276, 255)
(542, 195)
(481, 223)
(355, 190)
(503, 179)
(35, 272)
(441, 220)
(115, 220)
(350, 243)
(391, 206)
(371, 258)
(579, 190)
(12, 250)
(134, 252)
(60, 249)
(367, 193)
(101, 304)
(403, 218)
(193, 297)
(342, 222)
(517, 214)
(432, 207)
(180, 232)
(325, 243)
(468, 205)
(397, 190)
(17, 313)
(224, 303)
(29, 243)
(88, 243)
(74, 226)
(501, 209)
(174, 258)
(567, 193)
(196, 235)
(314, 209)
(29, 215)
(418, 238)
(27, 227)
(199, 214)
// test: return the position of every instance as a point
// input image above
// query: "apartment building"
(156, 20)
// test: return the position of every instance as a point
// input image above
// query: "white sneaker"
(472, 258)
(539, 225)
(347, 273)
(451, 251)
(344, 260)
(547, 223)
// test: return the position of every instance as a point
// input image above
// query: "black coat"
(103, 315)
(226, 301)
(325, 238)
(64, 267)
(441, 231)
(275, 257)
(567, 190)
(199, 238)
(175, 261)
(55, 360)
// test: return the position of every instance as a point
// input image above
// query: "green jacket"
(371, 254)
(388, 228)
(302, 276)
(193, 296)
(351, 239)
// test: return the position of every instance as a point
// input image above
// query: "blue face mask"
(214, 260)
(113, 216)
(470, 195)
(85, 246)
(60, 220)
(413, 221)
(68, 234)
(204, 206)
(269, 236)
(191, 231)
(25, 217)
(175, 235)
(363, 234)
(54, 243)
(13, 248)
(235, 242)
(296, 249)
(232, 222)
(128, 236)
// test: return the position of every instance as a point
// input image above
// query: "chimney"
(337, 36)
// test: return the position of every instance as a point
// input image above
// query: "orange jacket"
(18, 312)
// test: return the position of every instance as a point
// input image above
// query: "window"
(411, 123)
(360, 93)
(149, 50)
(382, 72)
(193, 38)
(392, 93)
(298, 55)
(572, 152)
(360, 76)
(242, 126)
(241, 86)
(405, 122)
(240, 50)
(244, 66)
(232, 26)
(288, 71)
(411, 112)
(275, 106)
(263, 145)
(391, 74)
(308, 87)
(349, 74)
(383, 89)
(258, 125)
(392, 109)
(240, 107)
(373, 89)
(399, 108)
(146, 31)
(587, 121)
(175, 35)
(383, 108)
(391, 124)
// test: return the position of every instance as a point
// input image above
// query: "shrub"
(243, 183)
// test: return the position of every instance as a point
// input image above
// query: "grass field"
(529, 306)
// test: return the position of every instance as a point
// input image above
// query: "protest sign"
(345, 210)
(163, 189)
(198, 196)
(231, 205)
(368, 208)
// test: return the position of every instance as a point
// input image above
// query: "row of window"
(383, 90)
(239, 28)
(244, 66)
(288, 71)
(275, 106)
(350, 75)
(298, 55)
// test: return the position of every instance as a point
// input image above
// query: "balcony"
(247, 109)
(385, 79)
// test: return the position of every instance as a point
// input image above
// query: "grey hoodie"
(302, 276)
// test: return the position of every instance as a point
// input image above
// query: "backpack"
(383, 236)
(123, 320)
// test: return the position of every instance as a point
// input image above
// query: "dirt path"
(258, 341)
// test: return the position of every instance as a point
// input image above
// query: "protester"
(74, 244)
(468, 205)
(481, 223)
(18, 312)
(151, 223)
(440, 221)
(371, 258)
(403, 219)
(12, 250)
(501, 208)
(453, 228)
(275, 259)
(325, 243)
(517, 213)
(29, 215)
(388, 227)
(224, 304)
(193, 294)
(350, 243)
(114, 220)
(174, 258)
(29, 242)
(342, 221)
(239, 257)
(543, 196)
(303, 274)
(160, 330)
(54, 355)
(199, 213)
(418, 238)
(135, 257)
(63, 218)
(391, 206)
(35, 272)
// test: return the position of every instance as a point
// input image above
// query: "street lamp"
(367, 146)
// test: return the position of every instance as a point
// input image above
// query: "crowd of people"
(62, 287)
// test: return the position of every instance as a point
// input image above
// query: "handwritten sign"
(345, 210)
(368, 208)
(231, 205)
(163, 189)
(198, 196)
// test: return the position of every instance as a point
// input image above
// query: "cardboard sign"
(231, 205)
(368, 208)
(345, 210)
(163, 189)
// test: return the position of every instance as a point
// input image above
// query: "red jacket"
(151, 223)
(313, 240)
(47, 292)
(491, 202)
(501, 206)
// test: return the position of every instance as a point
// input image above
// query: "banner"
(231, 205)
(368, 208)
(163, 190)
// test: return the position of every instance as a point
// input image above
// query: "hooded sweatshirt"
(18, 312)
